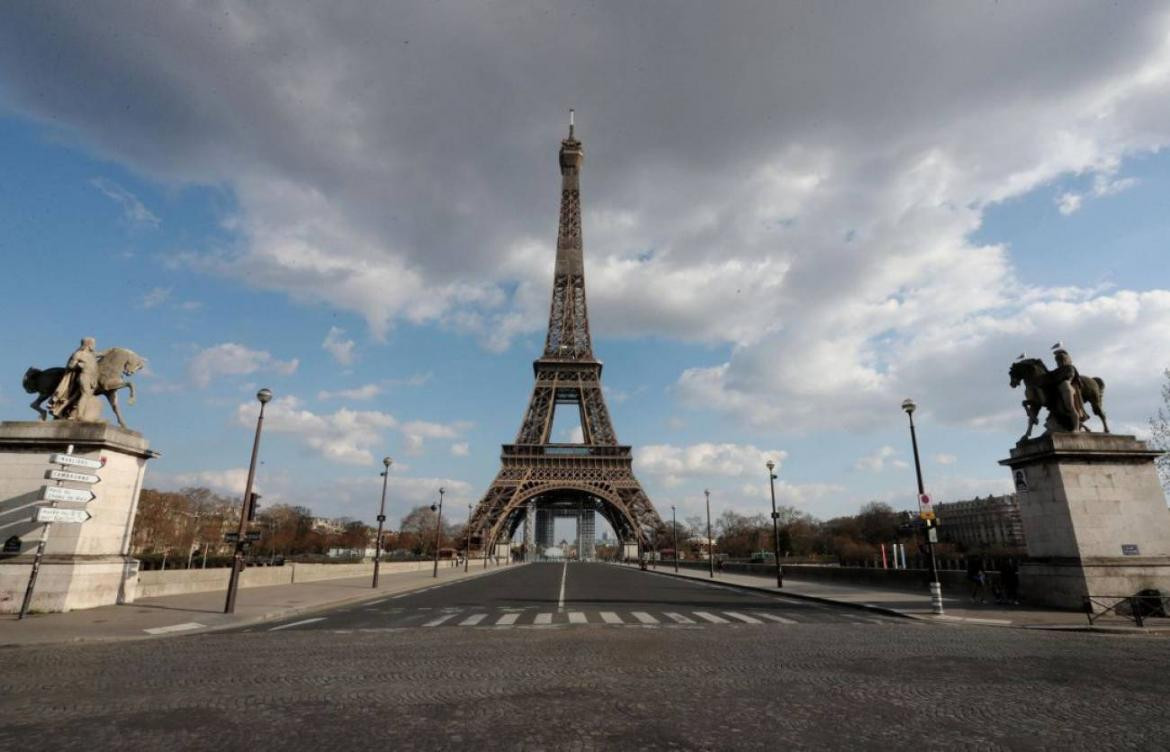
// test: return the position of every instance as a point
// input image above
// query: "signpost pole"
(40, 554)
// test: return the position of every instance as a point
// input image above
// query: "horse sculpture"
(114, 366)
(1064, 398)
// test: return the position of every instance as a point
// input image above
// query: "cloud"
(1105, 183)
(134, 213)
(879, 459)
(340, 349)
(363, 392)
(231, 359)
(460, 449)
(416, 432)
(230, 482)
(1069, 203)
(945, 459)
(673, 463)
(345, 436)
(822, 207)
(155, 297)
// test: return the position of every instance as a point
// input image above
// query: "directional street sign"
(57, 493)
(75, 477)
(55, 514)
(925, 507)
(72, 459)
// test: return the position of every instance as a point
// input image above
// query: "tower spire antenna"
(571, 113)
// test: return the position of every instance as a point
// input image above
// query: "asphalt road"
(827, 681)
(571, 595)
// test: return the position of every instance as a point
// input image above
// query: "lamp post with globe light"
(775, 523)
(263, 396)
(438, 528)
(386, 462)
(936, 602)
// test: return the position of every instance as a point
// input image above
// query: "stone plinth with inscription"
(85, 564)
(1094, 515)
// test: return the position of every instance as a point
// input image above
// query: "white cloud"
(363, 392)
(879, 459)
(232, 359)
(945, 459)
(1069, 203)
(340, 349)
(416, 432)
(134, 213)
(673, 463)
(460, 449)
(346, 436)
(820, 208)
(230, 481)
(155, 297)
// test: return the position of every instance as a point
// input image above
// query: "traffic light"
(253, 506)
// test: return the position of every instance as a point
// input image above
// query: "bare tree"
(1160, 433)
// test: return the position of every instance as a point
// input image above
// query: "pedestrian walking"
(978, 579)
(1009, 580)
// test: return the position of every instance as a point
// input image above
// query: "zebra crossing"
(517, 617)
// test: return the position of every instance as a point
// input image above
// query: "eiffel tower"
(538, 476)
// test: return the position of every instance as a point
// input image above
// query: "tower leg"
(530, 532)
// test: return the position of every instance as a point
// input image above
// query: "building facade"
(982, 523)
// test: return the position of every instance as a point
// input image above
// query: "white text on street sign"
(71, 459)
(56, 493)
(55, 514)
(75, 477)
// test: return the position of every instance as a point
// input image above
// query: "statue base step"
(85, 564)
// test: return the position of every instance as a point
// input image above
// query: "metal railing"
(1136, 607)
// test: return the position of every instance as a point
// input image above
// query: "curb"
(253, 620)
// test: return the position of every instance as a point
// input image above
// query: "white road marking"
(561, 598)
(710, 617)
(297, 623)
(174, 628)
(577, 617)
(472, 620)
(374, 603)
(440, 620)
(644, 617)
(775, 618)
(507, 619)
(543, 619)
(609, 617)
(679, 618)
(742, 617)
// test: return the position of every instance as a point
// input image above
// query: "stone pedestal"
(1094, 516)
(85, 564)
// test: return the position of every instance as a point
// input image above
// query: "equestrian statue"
(73, 391)
(1064, 391)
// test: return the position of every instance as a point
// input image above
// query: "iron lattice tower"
(599, 470)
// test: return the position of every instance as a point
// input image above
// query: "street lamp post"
(936, 602)
(386, 462)
(438, 529)
(467, 553)
(710, 542)
(674, 524)
(775, 523)
(263, 396)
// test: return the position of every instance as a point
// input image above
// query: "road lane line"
(742, 617)
(440, 620)
(775, 618)
(472, 620)
(609, 617)
(711, 617)
(679, 618)
(561, 599)
(543, 619)
(507, 619)
(644, 617)
(174, 628)
(297, 623)
(577, 617)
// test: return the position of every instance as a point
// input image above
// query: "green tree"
(1160, 433)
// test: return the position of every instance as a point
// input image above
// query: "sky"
(795, 216)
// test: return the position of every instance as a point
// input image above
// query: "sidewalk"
(196, 613)
(958, 607)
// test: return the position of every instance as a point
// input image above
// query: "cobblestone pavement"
(828, 684)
